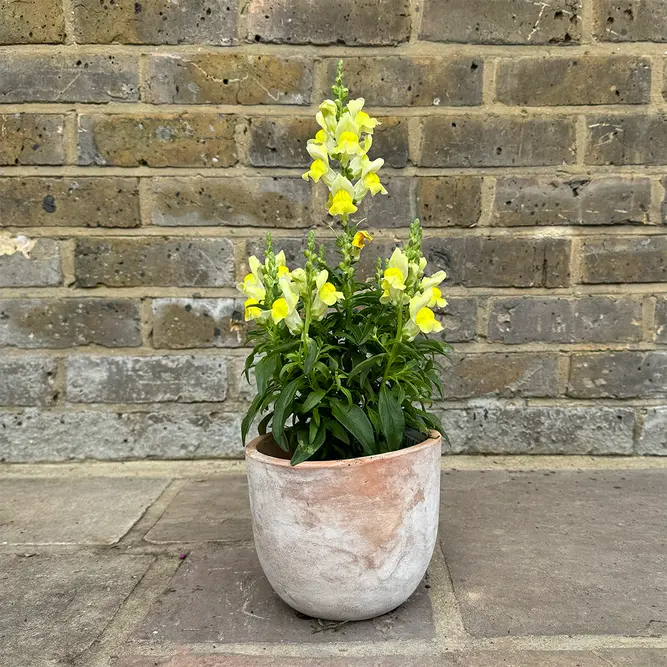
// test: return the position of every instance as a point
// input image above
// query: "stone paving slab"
(618, 658)
(220, 595)
(73, 511)
(213, 510)
(53, 607)
(557, 553)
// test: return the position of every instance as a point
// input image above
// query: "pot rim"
(251, 452)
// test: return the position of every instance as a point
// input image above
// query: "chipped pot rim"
(251, 452)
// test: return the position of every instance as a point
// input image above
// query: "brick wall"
(148, 145)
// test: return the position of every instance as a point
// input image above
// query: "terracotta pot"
(345, 540)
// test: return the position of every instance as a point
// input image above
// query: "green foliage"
(343, 368)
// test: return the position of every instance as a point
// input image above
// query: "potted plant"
(344, 477)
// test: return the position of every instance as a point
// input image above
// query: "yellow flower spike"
(252, 312)
(360, 239)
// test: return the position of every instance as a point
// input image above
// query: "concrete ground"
(543, 562)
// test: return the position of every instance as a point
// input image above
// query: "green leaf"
(307, 447)
(250, 415)
(352, 417)
(282, 410)
(366, 365)
(310, 358)
(392, 420)
(313, 399)
(337, 430)
(264, 371)
(264, 424)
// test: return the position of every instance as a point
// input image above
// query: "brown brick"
(459, 318)
(189, 323)
(628, 21)
(62, 323)
(504, 375)
(652, 440)
(180, 432)
(42, 269)
(183, 379)
(229, 79)
(608, 200)
(588, 80)
(31, 139)
(353, 22)
(390, 142)
(630, 259)
(502, 22)
(627, 139)
(449, 201)
(184, 140)
(69, 202)
(155, 22)
(476, 261)
(589, 319)
(618, 375)
(231, 202)
(32, 22)
(401, 81)
(521, 429)
(383, 211)
(281, 142)
(27, 380)
(26, 77)
(496, 141)
(661, 320)
(172, 262)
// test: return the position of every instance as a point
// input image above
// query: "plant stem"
(394, 347)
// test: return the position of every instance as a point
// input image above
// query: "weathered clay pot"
(345, 540)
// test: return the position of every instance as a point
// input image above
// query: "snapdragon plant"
(343, 367)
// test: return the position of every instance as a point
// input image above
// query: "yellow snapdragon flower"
(341, 200)
(252, 285)
(368, 181)
(285, 307)
(251, 310)
(325, 295)
(347, 137)
(363, 122)
(326, 116)
(319, 168)
(395, 275)
(360, 239)
(422, 318)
